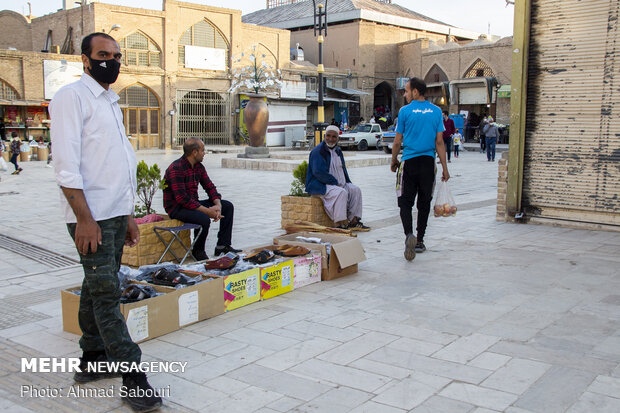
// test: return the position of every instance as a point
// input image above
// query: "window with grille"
(202, 34)
(479, 69)
(139, 50)
(7, 92)
(138, 96)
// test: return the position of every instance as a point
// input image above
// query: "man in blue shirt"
(420, 132)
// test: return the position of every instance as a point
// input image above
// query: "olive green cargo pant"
(103, 326)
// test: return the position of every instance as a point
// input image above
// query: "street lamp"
(320, 26)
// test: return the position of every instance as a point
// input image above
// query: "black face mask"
(104, 71)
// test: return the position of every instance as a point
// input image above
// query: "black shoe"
(137, 391)
(200, 255)
(225, 250)
(410, 247)
(86, 375)
(419, 247)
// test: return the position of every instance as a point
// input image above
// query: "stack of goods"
(301, 226)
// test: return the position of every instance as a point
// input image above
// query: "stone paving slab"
(492, 317)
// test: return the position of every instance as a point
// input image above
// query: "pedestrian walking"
(15, 151)
(491, 132)
(448, 125)
(482, 138)
(457, 141)
(420, 132)
(95, 167)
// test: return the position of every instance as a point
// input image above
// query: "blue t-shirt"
(419, 123)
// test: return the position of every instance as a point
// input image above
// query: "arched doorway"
(140, 109)
(384, 99)
(203, 114)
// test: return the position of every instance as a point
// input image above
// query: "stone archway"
(383, 97)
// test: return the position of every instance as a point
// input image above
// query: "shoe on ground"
(48, 166)
(15, 173)
(420, 247)
(359, 226)
(200, 255)
(410, 242)
(139, 394)
(225, 250)
(85, 375)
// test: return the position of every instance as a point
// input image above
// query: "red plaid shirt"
(182, 185)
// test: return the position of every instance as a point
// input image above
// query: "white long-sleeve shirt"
(91, 150)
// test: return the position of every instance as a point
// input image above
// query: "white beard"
(331, 146)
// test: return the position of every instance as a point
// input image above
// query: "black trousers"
(193, 216)
(418, 180)
(14, 157)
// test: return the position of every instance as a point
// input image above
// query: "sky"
(474, 15)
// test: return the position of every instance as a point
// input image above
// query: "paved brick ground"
(493, 317)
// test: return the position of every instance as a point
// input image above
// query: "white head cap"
(333, 128)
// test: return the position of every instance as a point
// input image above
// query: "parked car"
(386, 142)
(364, 135)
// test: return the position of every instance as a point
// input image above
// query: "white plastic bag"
(444, 201)
(3, 165)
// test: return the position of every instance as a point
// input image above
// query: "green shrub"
(149, 182)
(298, 186)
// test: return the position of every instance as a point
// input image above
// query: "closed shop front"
(571, 155)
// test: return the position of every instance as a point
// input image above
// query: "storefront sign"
(293, 90)
(207, 58)
(58, 73)
(401, 82)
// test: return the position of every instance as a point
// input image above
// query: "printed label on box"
(138, 323)
(307, 270)
(276, 280)
(188, 308)
(241, 289)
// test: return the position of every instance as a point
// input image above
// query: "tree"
(149, 182)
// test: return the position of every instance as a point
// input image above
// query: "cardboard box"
(159, 315)
(200, 301)
(346, 252)
(241, 289)
(276, 279)
(146, 319)
(307, 269)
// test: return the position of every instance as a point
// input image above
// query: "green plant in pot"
(298, 186)
(149, 182)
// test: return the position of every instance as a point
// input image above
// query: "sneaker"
(419, 247)
(359, 226)
(15, 173)
(48, 166)
(410, 247)
(225, 250)
(138, 393)
(85, 375)
(200, 255)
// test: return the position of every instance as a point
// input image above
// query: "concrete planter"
(304, 208)
(150, 248)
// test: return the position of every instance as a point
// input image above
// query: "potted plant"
(150, 248)
(299, 205)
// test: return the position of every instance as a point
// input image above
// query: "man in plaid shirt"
(181, 199)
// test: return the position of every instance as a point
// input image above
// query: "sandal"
(224, 263)
(260, 257)
(136, 292)
(170, 278)
(295, 251)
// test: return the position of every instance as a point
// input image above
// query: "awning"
(475, 82)
(504, 91)
(314, 97)
(353, 92)
(23, 102)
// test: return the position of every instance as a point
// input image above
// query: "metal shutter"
(572, 138)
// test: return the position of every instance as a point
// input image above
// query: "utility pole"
(320, 26)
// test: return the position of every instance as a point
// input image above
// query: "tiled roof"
(304, 9)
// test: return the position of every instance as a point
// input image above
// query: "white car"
(363, 136)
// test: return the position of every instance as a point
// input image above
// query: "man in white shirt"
(95, 167)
